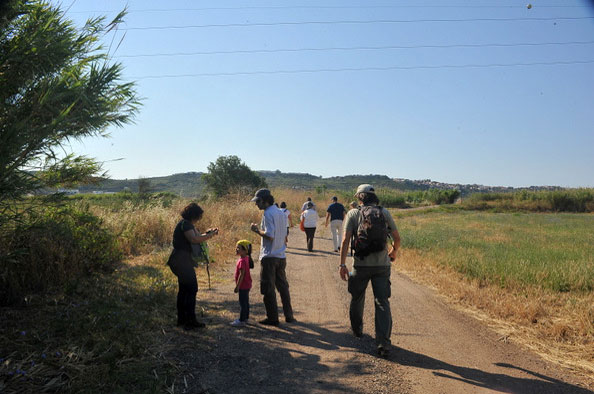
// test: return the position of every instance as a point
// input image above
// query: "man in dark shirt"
(335, 214)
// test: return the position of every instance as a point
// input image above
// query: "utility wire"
(352, 22)
(388, 68)
(361, 48)
(323, 7)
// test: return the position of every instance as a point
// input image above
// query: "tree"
(229, 174)
(56, 85)
(144, 186)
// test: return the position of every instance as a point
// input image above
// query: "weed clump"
(51, 249)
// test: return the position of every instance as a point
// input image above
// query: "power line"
(243, 8)
(361, 48)
(352, 22)
(388, 68)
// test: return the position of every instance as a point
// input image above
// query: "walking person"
(283, 207)
(243, 280)
(304, 206)
(272, 258)
(370, 225)
(182, 265)
(335, 214)
(310, 221)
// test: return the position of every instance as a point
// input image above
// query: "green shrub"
(567, 200)
(52, 249)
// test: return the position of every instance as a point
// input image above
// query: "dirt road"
(436, 349)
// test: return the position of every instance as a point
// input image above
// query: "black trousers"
(273, 276)
(309, 237)
(182, 266)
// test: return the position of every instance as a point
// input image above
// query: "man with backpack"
(370, 225)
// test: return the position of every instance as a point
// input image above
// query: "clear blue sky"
(413, 109)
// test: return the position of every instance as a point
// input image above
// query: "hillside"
(190, 183)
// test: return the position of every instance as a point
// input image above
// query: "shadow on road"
(493, 381)
(271, 359)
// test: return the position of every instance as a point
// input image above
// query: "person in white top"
(310, 220)
(304, 206)
(283, 207)
(273, 262)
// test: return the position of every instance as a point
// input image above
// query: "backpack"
(372, 231)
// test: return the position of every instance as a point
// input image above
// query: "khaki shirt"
(351, 223)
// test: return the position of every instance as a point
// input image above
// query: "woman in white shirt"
(283, 207)
(310, 220)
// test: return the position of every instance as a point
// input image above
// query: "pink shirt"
(244, 263)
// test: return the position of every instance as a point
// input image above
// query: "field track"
(436, 349)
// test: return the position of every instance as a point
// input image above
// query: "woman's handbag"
(200, 252)
(302, 224)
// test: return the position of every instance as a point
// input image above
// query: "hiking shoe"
(196, 324)
(237, 323)
(290, 319)
(383, 351)
(268, 322)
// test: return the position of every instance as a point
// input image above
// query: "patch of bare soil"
(436, 348)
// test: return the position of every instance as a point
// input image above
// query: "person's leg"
(309, 235)
(181, 310)
(267, 285)
(357, 284)
(244, 304)
(338, 234)
(188, 287)
(181, 296)
(335, 227)
(282, 285)
(380, 282)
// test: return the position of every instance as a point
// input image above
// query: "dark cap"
(260, 194)
(334, 198)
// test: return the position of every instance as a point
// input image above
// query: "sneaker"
(358, 334)
(237, 323)
(268, 322)
(290, 319)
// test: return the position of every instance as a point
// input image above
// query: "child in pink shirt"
(243, 280)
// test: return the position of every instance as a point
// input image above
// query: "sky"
(492, 92)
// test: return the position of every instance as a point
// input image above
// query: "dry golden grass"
(144, 229)
(558, 326)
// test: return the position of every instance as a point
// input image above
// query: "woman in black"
(182, 265)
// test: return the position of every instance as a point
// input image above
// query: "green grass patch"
(103, 335)
(550, 251)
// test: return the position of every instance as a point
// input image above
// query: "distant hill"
(190, 183)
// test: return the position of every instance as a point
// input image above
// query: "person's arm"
(344, 249)
(239, 279)
(327, 218)
(195, 238)
(268, 224)
(290, 220)
(395, 246)
(254, 228)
